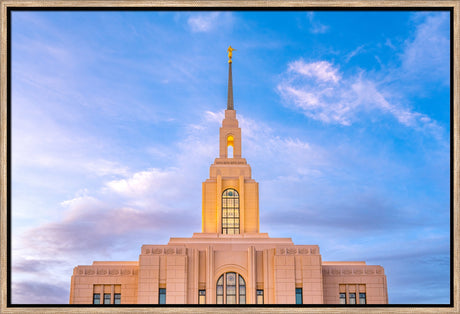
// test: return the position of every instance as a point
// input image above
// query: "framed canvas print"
(200, 156)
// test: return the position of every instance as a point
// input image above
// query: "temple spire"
(230, 80)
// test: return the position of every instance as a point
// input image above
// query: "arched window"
(230, 212)
(230, 145)
(231, 289)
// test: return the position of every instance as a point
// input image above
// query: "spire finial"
(230, 50)
(230, 81)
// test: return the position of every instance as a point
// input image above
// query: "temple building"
(230, 261)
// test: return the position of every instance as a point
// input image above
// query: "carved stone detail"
(126, 272)
(346, 271)
(89, 272)
(157, 251)
(102, 271)
(291, 251)
(369, 271)
(303, 251)
(170, 251)
(114, 272)
(147, 251)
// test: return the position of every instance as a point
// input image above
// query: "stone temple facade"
(230, 261)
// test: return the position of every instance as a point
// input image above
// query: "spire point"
(230, 50)
(230, 80)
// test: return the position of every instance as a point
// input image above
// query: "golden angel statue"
(230, 50)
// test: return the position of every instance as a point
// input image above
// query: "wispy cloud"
(321, 92)
(354, 53)
(33, 292)
(426, 53)
(206, 22)
(315, 26)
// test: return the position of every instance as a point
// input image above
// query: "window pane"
(242, 290)
(298, 296)
(202, 297)
(96, 298)
(162, 296)
(352, 298)
(231, 279)
(106, 298)
(231, 299)
(231, 290)
(117, 298)
(260, 297)
(241, 280)
(230, 211)
(242, 299)
(220, 299)
(343, 298)
(362, 298)
(221, 280)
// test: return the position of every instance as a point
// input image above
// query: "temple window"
(230, 212)
(231, 289)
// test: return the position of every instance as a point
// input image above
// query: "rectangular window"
(202, 297)
(107, 297)
(362, 298)
(298, 296)
(162, 296)
(96, 298)
(117, 298)
(352, 298)
(343, 298)
(260, 296)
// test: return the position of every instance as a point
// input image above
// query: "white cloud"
(321, 92)
(353, 53)
(206, 22)
(321, 70)
(427, 53)
(315, 26)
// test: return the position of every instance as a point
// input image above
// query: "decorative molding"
(113, 271)
(304, 251)
(170, 251)
(338, 271)
(296, 250)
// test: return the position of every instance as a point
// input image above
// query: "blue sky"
(344, 117)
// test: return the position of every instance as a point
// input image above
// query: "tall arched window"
(230, 212)
(231, 289)
(230, 145)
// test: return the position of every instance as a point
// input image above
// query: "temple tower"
(230, 195)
